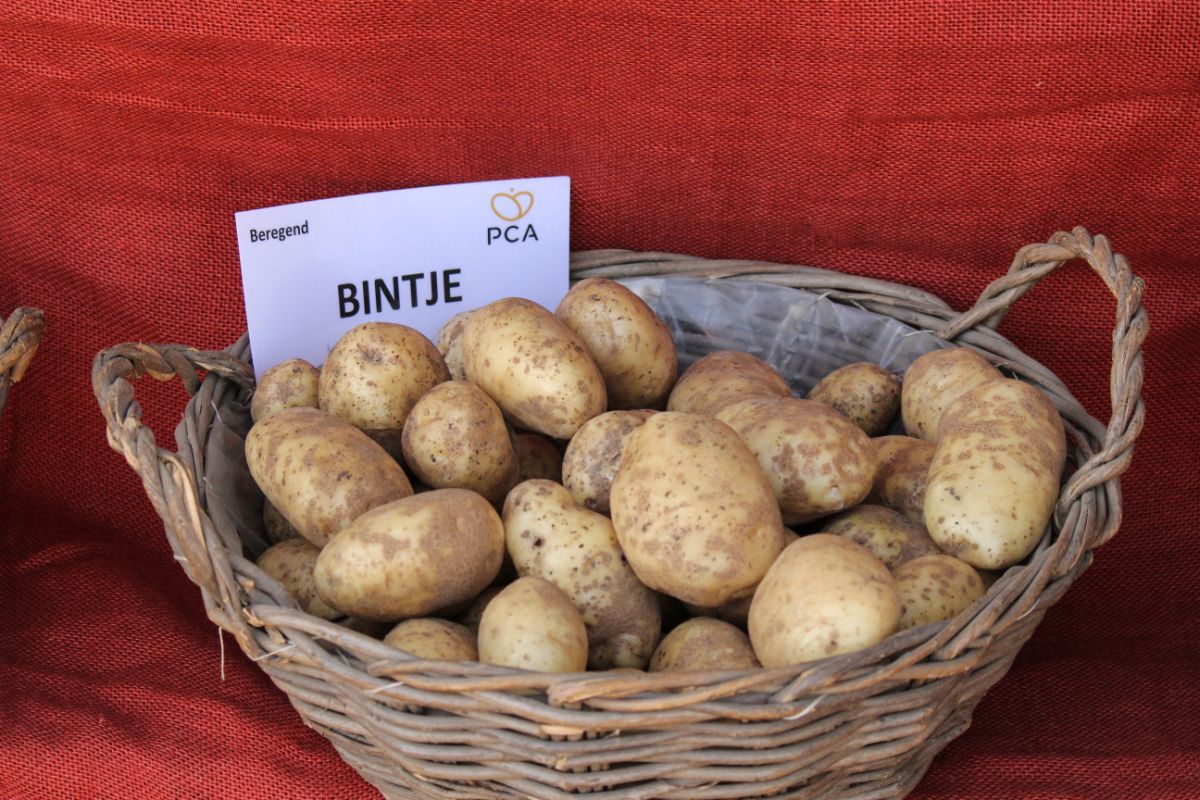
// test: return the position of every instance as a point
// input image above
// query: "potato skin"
(532, 625)
(818, 462)
(536, 368)
(469, 619)
(375, 374)
(724, 377)
(629, 342)
(538, 458)
(575, 549)
(288, 384)
(594, 453)
(823, 596)
(902, 474)
(704, 644)
(434, 640)
(291, 562)
(275, 524)
(934, 381)
(893, 538)
(693, 511)
(320, 471)
(412, 557)
(995, 475)
(867, 394)
(450, 344)
(934, 588)
(455, 438)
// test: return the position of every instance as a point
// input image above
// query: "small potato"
(704, 644)
(536, 368)
(934, 381)
(275, 524)
(532, 625)
(823, 596)
(291, 563)
(995, 475)
(375, 374)
(450, 344)
(412, 557)
(934, 588)
(628, 341)
(693, 511)
(867, 394)
(902, 474)
(593, 455)
(469, 619)
(818, 462)
(319, 471)
(433, 640)
(538, 458)
(288, 384)
(893, 538)
(575, 549)
(724, 377)
(455, 438)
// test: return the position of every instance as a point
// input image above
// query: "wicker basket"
(862, 725)
(20, 336)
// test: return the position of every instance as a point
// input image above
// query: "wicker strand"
(20, 336)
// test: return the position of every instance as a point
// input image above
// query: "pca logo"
(511, 207)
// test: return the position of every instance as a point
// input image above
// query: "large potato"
(593, 455)
(823, 596)
(693, 511)
(893, 538)
(536, 368)
(703, 644)
(995, 475)
(934, 381)
(291, 562)
(818, 462)
(867, 394)
(450, 344)
(627, 340)
(434, 640)
(575, 549)
(455, 438)
(934, 588)
(532, 625)
(413, 557)
(902, 474)
(538, 458)
(288, 384)
(724, 377)
(375, 374)
(321, 472)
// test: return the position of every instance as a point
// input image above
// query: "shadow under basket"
(861, 725)
(20, 336)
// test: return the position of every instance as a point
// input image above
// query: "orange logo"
(511, 206)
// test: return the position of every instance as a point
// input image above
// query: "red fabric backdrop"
(919, 141)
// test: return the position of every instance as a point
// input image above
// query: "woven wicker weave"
(862, 725)
(20, 336)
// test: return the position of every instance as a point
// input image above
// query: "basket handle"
(1034, 262)
(20, 336)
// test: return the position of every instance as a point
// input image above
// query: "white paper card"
(312, 271)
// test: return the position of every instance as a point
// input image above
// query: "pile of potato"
(515, 495)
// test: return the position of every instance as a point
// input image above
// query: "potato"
(275, 524)
(934, 381)
(693, 511)
(817, 461)
(628, 341)
(867, 394)
(902, 474)
(593, 455)
(550, 537)
(433, 640)
(934, 588)
(375, 374)
(823, 596)
(291, 562)
(532, 625)
(469, 619)
(724, 377)
(412, 557)
(319, 471)
(893, 538)
(450, 344)
(704, 644)
(538, 458)
(536, 368)
(735, 612)
(455, 438)
(288, 384)
(995, 475)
